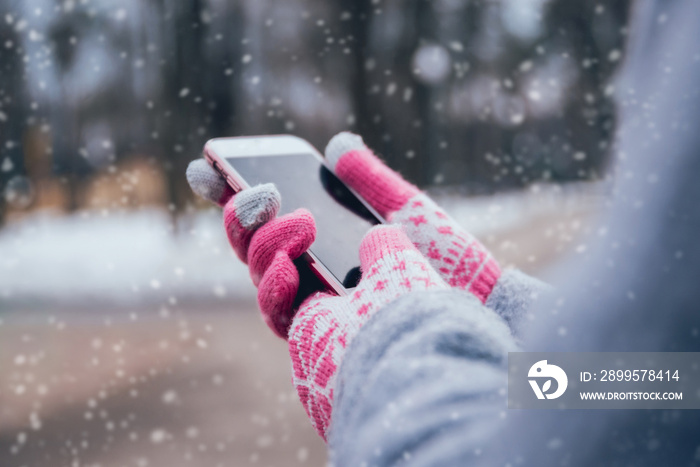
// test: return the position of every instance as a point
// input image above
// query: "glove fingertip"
(342, 143)
(257, 205)
(207, 183)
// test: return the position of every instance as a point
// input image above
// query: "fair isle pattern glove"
(325, 324)
(460, 259)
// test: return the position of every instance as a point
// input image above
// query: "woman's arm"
(424, 381)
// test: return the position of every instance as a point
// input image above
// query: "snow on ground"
(130, 257)
(123, 256)
(485, 215)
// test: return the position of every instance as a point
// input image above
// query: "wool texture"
(425, 250)
(272, 249)
(207, 183)
(461, 259)
(326, 324)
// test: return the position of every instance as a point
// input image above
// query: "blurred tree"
(183, 77)
(594, 34)
(466, 29)
(355, 26)
(13, 105)
(391, 107)
(477, 126)
(110, 103)
(489, 94)
(66, 116)
(223, 50)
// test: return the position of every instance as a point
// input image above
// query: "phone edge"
(238, 183)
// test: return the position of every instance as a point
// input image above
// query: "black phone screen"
(304, 182)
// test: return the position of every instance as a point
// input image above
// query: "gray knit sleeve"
(513, 296)
(423, 382)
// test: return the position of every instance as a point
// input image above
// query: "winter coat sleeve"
(422, 383)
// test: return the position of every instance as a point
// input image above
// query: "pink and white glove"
(325, 324)
(460, 259)
(427, 250)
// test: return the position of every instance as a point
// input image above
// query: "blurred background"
(129, 334)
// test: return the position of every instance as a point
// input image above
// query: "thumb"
(276, 292)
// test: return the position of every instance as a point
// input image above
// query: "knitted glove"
(267, 244)
(326, 324)
(460, 259)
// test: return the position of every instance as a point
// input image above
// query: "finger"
(292, 234)
(355, 164)
(245, 212)
(459, 258)
(462, 261)
(276, 292)
(391, 265)
(380, 242)
(207, 183)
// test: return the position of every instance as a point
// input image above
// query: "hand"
(266, 243)
(460, 259)
(325, 324)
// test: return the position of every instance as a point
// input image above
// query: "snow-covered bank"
(124, 257)
(133, 257)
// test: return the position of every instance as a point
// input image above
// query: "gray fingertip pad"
(342, 143)
(205, 181)
(257, 205)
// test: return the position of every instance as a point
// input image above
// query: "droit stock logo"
(544, 372)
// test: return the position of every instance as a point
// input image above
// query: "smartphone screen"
(304, 182)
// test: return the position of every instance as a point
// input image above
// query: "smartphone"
(300, 173)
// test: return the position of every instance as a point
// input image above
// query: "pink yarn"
(325, 324)
(269, 251)
(244, 212)
(378, 242)
(383, 188)
(459, 258)
(226, 194)
(238, 236)
(276, 292)
(425, 250)
(462, 261)
(272, 249)
(292, 234)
